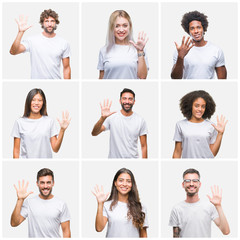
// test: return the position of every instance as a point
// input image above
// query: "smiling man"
(45, 212)
(125, 127)
(193, 217)
(197, 58)
(47, 49)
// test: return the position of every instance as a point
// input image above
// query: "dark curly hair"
(191, 16)
(48, 13)
(186, 103)
(134, 205)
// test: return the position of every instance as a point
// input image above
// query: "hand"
(220, 124)
(185, 47)
(105, 108)
(22, 23)
(141, 42)
(216, 196)
(100, 195)
(65, 120)
(22, 190)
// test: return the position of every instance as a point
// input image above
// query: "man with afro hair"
(197, 58)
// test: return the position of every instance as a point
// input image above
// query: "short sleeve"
(26, 44)
(145, 224)
(173, 220)
(100, 61)
(24, 209)
(146, 58)
(53, 130)
(213, 136)
(175, 56)
(178, 133)
(65, 214)
(221, 59)
(143, 130)
(214, 213)
(67, 52)
(105, 211)
(15, 130)
(106, 123)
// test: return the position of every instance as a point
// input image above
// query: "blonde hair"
(110, 41)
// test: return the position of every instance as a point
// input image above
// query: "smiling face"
(49, 25)
(45, 185)
(191, 184)
(127, 101)
(198, 109)
(36, 104)
(123, 184)
(121, 30)
(196, 31)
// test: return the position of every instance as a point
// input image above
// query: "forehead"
(191, 176)
(38, 95)
(195, 23)
(127, 95)
(49, 19)
(121, 20)
(45, 178)
(124, 176)
(199, 101)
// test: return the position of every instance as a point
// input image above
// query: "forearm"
(177, 71)
(223, 223)
(216, 146)
(97, 127)
(143, 232)
(67, 233)
(144, 151)
(58, 143)
(99, 223)
(142, 67)
(16, 44)
(16, 216)
(16, 153)
(67, 72)
(176, 232)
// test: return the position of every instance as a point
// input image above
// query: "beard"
(44, 195)
(52, 31)
(127, 109)
(191, 193)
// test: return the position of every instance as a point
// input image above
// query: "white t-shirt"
(118, 223)
(200, 62)
(44, 216)
(120, 62)
(46, 55)
(124, 134)
(193, 219)
(35, 136)
(195, 138)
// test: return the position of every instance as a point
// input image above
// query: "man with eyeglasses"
(125, 127)
(192, 217)
(45, 212)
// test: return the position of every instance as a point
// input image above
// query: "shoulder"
(107, 204)
(60, 39)
(103, 49)
(182, 122)
(178, 206)
(137, 116)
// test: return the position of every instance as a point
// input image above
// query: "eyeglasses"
(191, 180)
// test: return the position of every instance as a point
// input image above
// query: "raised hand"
(99, 194)
(65, 120)
(221, 123)
(22, 23)
(22, 190)
(141, 42)
(185, 47)
(216, 198)
(105, 108)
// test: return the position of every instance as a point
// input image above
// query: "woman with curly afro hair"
(196, 136)
(123, 210)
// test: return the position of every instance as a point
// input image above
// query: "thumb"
(176, 45)
(133, 43)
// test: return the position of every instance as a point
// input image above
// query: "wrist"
(141, 53)
(20, 199)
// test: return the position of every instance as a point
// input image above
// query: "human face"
(121, 30)
(49, 25)
(193, 186)
(196, 30)
(127, 101)
(36, 104)
(198, 108)
(45, 185)
(123, 184)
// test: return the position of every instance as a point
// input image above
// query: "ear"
(183, 185)
(37, 184)
(53, 183)
(200, 184)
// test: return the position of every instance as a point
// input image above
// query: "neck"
(192, 199)
(123, 42)
(200, 43)
(46, 198)
(126, 113)
(196, 120)
(122, 198)
(49, 35)
(35, 115)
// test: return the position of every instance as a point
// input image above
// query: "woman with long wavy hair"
(123, 210)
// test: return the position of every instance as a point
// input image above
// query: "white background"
(19, 66)
(94, 31)
(222, 31)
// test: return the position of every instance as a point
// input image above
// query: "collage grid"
(83, 156)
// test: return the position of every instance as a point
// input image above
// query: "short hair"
(127, 90)
(48, 13)
(186, 103)
(191, 16)
(191, 170)
(110, 41)
(30, 96)
(45, 172)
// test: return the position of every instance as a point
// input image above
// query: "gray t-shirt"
(193, 219)
(195, 138)
(35, 136)
(44, 216)
(46, 55)
(120, 62)
(200, 62)
(124, 134)
(118, 223)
